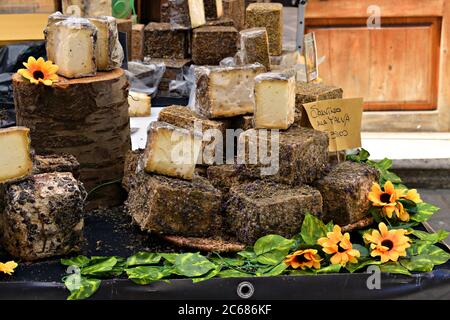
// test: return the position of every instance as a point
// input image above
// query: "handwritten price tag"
(341, 118)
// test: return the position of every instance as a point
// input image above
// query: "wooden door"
(394, 68)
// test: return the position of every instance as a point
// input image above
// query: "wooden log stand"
(86, 117)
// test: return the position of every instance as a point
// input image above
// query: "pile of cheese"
(83, 46)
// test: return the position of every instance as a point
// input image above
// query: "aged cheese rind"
(303, 155)
(270, 16)
(165, 205)
(344, 191)
(43, 216)
(255, 46)
(226, 91)
(186, 13)
(131, 165)
(222, 22)
(140, 104)
(171, 150)
(224, 176)
(261, 208)
(137, 38)
(211, 44)
(163, 40)
(235, 10)
(274, 101)
(109, 52)
(71, 44)
(311, 92)
(15, 156)
(213, 9)
(56, 163)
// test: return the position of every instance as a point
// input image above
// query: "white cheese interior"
(274, 103)
(174, 152)
(219, 7)
(139, 104)
(231, 91)
(15, 159)
(72, 48)
(197, 13)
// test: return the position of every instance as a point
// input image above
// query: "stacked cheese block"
(194, 194)
(41, 200)
(190, 31)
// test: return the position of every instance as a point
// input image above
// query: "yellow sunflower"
(8, 267)
(39, 71)
(387, 198)
(339, 246)
(413, 195)
(388, 244)
(307, 258)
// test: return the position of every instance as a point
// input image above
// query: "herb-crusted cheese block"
(222, 22)
(274, 101)
(43, 216)
(344, 191)
(109, 52)
(226, 91)
(162, 40)
(235, 10)
(71, 44)
(270, 16)
(137, 39)
(311, 92)
(262, 207)
(15, 154)
(171, 150)
(140, 104)
(56, 163)
(303, 155)
(213, 9)
(186, 13)
(224, 176)
(212, 44)
(169, 206)
(131, 164)
(255, 46)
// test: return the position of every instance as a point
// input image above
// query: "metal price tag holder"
(301, 24)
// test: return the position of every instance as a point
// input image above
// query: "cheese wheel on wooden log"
(87, 118)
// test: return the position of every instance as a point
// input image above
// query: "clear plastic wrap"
(183, 87)
(226, 91)
(145, 78)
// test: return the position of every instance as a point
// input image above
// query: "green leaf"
(99, 266)
(248, 254)
(375, 212)
(211, 274)
(364, 252)
(312, 229)
(384, 164)
(352, 267)
(390, 176)
(169, 257)
(272, 249)
(143, 258)
(330, 226)
(418, 247)
(435, 254)
(192, 265)
(305, 272)
(79, 261)
(417, 263)
(272, 270)
(361, 156)
(147, 274)
(424, 212)
(80, 287)
(332, 268)
(228, 262)
(394, 267)
(431, 237)
(232, 273)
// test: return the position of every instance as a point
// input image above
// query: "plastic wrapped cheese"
(255, 46)
(72, 45)
(226, 91)
(109, 52)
